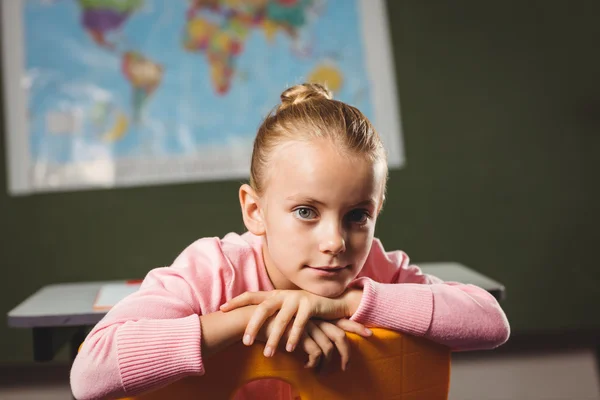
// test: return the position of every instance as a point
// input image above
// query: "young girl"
(308, 269)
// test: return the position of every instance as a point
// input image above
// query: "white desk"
(455, 272)
(60, 304)
(61, 313)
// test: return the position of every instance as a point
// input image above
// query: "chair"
(388, 365)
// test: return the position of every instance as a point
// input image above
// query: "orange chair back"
(388, 365)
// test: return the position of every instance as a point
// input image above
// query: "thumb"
(244, 299)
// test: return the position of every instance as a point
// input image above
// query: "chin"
(330, 291)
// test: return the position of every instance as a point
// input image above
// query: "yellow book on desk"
(111, 293)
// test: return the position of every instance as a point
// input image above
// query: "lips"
(331, 268)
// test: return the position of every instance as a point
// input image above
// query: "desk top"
(71, 304)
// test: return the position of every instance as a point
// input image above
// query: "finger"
(245, 299)
(353, 326)
(264, 311)
(302, 317)
(322, 340)
(312, 349)
(338, 336)
(279, 327)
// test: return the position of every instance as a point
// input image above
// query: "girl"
(308, 269)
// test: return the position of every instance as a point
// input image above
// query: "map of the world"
(125, 92)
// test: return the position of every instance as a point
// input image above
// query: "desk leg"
(47, 341)
(76, 340)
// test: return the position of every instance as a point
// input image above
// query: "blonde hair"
(306, 112)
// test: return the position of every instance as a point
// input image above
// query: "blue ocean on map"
(129, 79)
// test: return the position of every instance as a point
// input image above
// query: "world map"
(175, 87)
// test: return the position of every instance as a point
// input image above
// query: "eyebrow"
(304, 199)
(369, 202)
(310, 200)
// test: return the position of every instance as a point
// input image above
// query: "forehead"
(318, 170)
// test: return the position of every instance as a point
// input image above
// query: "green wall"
(501, 112)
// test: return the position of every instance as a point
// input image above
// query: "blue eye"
(304, 213)
(358, 216)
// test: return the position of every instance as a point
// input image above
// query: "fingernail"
(223, 305)
(268, 351)
(368, 331)
(247, 340)
(289, 347)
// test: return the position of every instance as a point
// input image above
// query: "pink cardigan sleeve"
(399, 296)
(152, 337)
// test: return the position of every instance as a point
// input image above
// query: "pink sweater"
(152, 337)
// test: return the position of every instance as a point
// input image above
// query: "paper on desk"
(111, 293)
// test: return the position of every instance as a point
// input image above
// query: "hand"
(299, 305)
(320, 339)
(332, 335)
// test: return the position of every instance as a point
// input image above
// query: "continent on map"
(118, 129)
(219, 28)
(99, 17)
(144, 76)
(327, 73)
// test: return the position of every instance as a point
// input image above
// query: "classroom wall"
(501, 112)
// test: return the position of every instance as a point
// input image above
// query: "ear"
(251, 212)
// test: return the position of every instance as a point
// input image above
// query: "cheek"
(284, 227)
(361, 241)
(286, 236)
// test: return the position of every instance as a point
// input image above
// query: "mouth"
(330, 269)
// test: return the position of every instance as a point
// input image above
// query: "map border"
(22, 179)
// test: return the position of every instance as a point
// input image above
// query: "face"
(318, 210)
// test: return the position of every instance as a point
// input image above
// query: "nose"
(333, 244)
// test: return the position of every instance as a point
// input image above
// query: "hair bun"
(304, 92)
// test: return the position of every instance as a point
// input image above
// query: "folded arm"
(460, 316)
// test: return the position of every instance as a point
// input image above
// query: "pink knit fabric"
(152, 337)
